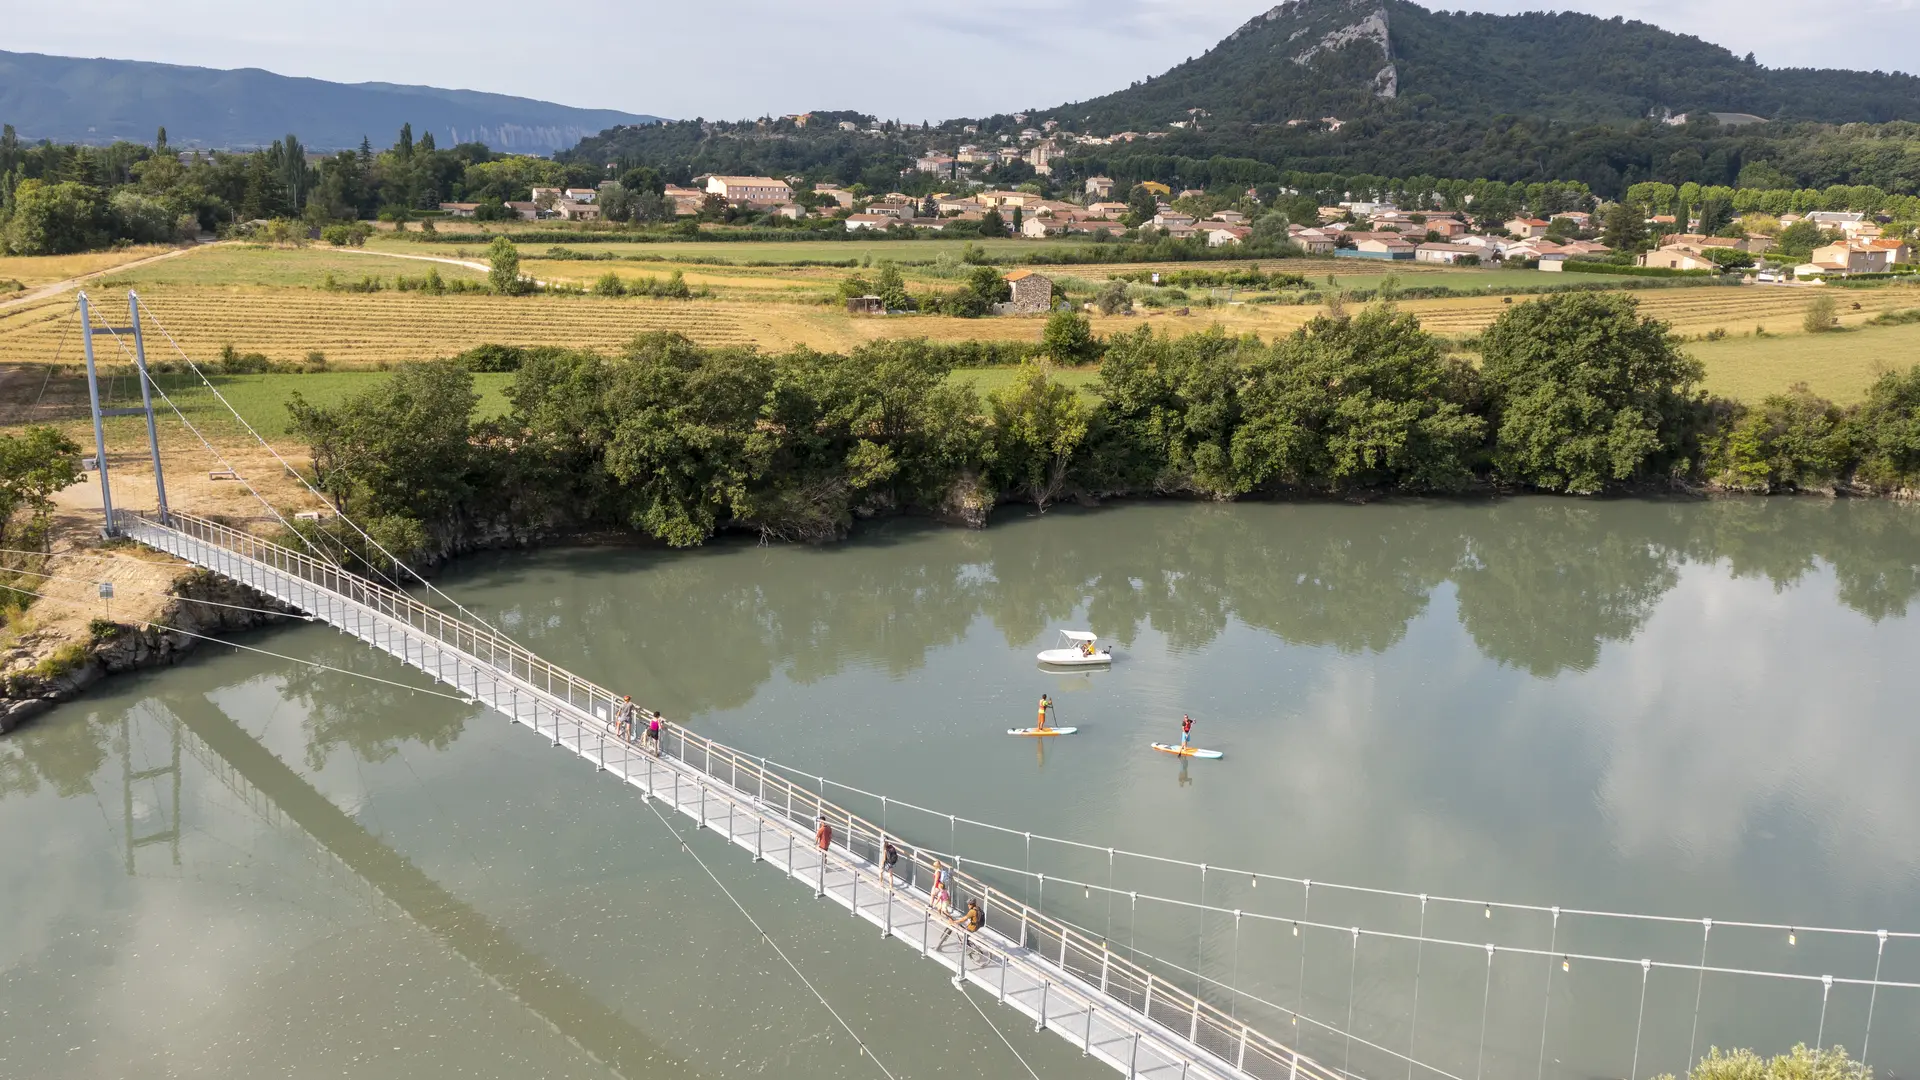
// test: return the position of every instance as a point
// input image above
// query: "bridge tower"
(146, 402)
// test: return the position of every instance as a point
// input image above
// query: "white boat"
(1074, 653)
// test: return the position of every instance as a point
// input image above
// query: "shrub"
(234, 362)
(104, 630)
(1821, 317)
(62, 660)
(1793, 441)
(609, 284)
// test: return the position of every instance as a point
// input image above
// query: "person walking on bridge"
(623, 719)
(824, 834)
(653, 733)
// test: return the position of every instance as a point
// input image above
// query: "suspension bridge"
(1140, 1015)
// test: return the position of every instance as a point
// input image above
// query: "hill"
(1308, 59)
(98, 101)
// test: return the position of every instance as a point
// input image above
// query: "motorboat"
(1078, 648)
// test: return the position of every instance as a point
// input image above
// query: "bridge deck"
(1059, 978)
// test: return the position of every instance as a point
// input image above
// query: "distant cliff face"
(67, 99)
(1308, 59)
(1322, 26)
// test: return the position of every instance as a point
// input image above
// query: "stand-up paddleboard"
(1042, 732)
(1187, 751)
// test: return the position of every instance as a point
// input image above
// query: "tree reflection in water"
(1540, 584)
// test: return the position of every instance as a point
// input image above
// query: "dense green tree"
(1068, 339)
(1885, 431)
(1170, 412)
(503, 268)
(1626, 228)
(1585, 392)
(1798, 240)
(1038, 425)
(400, 449)
(56, 219)
(1371, 401)
(992, 224)
(1790, 442)
(33, 466)
(891, 286)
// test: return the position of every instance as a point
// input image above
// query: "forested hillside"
(1307, 59)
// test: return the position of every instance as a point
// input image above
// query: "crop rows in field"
(1689, 310)
(365, 329)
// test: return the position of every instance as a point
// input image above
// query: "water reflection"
(1542, 585)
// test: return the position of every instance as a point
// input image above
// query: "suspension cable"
(1522, 950)
(224, 463)
(168, 595)
(296, 474)
(1541, 909)
(768, 938)
(997, 1031)
(464, 700)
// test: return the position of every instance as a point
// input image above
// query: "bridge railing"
(1085, 957)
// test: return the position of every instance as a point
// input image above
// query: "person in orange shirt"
(1046, 706)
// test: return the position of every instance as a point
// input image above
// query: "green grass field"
(987, 380)
(234, 264)
(262, 399)
(1839, 365)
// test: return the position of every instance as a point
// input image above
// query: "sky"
(762, 57)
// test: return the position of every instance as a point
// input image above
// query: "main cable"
(1421, 938)
(1541, 909)
(224, 463)
(295, 473)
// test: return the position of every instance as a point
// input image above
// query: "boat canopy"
(1078, 635)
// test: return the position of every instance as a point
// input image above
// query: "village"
(1349, 229)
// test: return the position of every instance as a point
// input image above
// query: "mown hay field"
(363, 329)
(31, 270)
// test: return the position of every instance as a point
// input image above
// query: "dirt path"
(468, 264)
(41, 292)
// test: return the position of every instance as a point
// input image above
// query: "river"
(245, 866)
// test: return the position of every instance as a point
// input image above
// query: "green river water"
(246, 867)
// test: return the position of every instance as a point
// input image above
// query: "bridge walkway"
(1066, 982)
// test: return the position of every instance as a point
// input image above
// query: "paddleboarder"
(1186, 731)
(1046, 706)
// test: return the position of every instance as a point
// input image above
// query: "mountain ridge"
(1306, 59)
(98, 100)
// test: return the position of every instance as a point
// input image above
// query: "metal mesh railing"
(1084, 958)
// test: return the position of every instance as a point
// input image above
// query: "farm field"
(269, 301)
(363, 330)
(31, 270)
(1837, 366)
(235, 265)
(740, 253)
(261, 399)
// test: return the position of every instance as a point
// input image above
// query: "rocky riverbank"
(47, 666)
